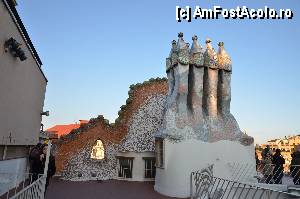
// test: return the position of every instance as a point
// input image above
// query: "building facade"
(166, 130)
(22, 87)
(286, 145)
(59, 130)
(124, 150)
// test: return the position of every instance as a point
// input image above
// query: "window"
(125, 167)
(159, 152)
(98, 151)
(149, 167)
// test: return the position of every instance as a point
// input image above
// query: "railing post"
(191, 185)
(47, 158)
(44, 177)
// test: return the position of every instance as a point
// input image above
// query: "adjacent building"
(286, 145)
(164, 133)
(166, 130)
(22, 88)
(59, 130)
(124, 150)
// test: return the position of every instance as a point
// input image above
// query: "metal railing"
(266, 173)
(28, 185)
(15, 182)
(35, 190)
(205, 186)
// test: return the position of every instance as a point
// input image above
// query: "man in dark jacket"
(278, 161)
(36, 166)
(295, 166)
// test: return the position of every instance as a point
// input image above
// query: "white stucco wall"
(11, 173)
(138, 168)
(22, 88)
(192, 155)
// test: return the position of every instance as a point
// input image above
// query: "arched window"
(98, 151)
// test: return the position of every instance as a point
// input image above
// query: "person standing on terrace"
(295, 166)
(266, 164)
(278, 162)
(265, 152)
(36, 167)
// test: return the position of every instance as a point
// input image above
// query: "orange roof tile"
(63, 129)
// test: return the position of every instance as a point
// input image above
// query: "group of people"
(37, 160)
(273, 166)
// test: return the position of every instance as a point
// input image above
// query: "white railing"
(34, 190)
(12, 183)
(204, 185)
(28, 185)
(209, 187)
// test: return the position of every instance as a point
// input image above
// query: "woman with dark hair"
(278, 162)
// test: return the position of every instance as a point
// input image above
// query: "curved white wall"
(192, 155)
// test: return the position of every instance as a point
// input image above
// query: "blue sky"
(93, 50)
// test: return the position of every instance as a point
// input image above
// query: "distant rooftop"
(63, 129)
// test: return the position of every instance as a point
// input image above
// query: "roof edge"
(9, 4)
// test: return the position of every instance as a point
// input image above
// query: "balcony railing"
(266, 173)
(206, 187)
(245, 182)
(25, 185)
(12, 183)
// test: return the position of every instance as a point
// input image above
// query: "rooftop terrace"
(115, 189)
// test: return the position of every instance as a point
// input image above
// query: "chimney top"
(221, 43)
(180, 34)
(208, 40)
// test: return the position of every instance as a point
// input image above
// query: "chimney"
(83, 122)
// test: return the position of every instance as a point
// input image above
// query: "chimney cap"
(221, 43)
(224, 60)
(196, 47)
(208, 40)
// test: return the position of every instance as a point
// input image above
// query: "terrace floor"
(111, 189)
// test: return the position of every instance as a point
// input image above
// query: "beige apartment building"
(286, 145)
(22, 92)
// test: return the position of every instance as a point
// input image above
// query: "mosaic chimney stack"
(198, 131)
(198, 102)
(224, 88)
(196, 79)
(211, 81)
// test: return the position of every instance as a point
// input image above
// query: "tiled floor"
(111, 189)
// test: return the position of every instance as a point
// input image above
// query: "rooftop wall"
(128, 133)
